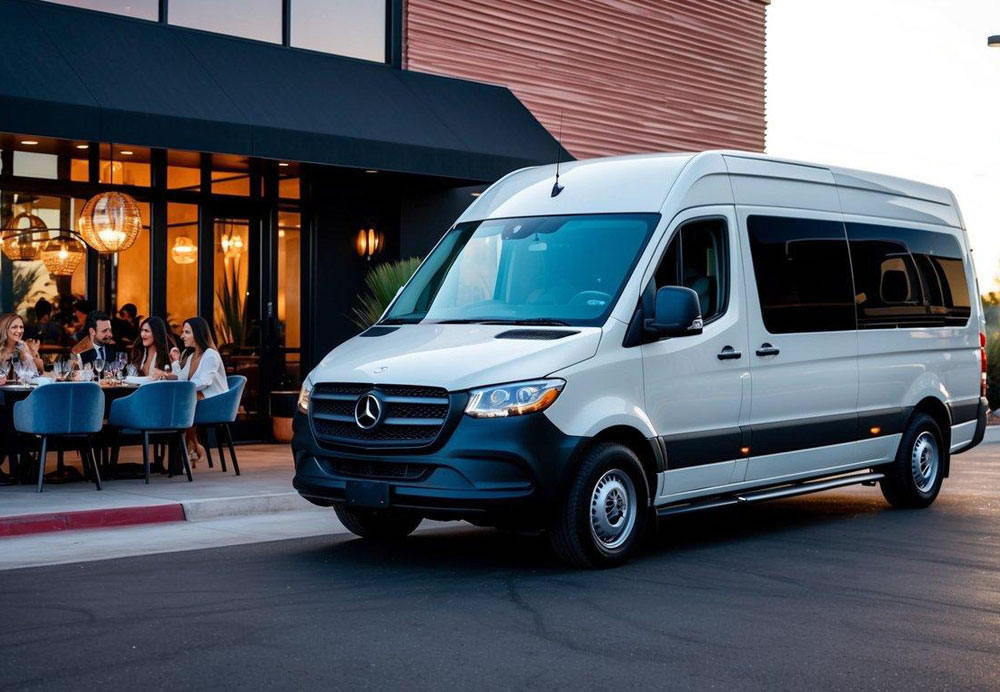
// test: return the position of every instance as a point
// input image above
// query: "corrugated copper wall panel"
(625, 75)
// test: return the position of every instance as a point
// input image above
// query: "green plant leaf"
(381, 285)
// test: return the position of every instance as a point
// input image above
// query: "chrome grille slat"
(413, 416)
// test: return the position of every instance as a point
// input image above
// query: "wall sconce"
(370, 242)
(184, 251)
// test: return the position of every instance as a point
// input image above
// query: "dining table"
(14, 446)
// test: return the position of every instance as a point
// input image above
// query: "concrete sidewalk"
(264, 487)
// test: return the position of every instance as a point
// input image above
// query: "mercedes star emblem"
(368, 411)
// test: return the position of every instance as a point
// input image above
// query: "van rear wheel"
(914, 478)
(604, 514)
(376, 523)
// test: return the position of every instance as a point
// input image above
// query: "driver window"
(696, 257)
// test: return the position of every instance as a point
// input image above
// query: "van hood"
(455, 356)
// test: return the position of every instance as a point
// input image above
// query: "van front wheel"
(376, 523)
(604, 513)
(914, 478)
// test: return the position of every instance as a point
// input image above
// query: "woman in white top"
(202, 365)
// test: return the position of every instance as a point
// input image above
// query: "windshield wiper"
(538, 321)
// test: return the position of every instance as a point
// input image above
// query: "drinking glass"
(99, 367)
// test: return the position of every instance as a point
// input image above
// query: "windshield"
(529, 270)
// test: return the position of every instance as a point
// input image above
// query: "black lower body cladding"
(500, 470)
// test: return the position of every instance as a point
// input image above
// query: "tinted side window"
(907, 278)
(803, 274)
(697, 258)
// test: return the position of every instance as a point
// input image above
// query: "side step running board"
(803, 488)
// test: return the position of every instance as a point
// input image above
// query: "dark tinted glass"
(696, 257)
(906, 277)
(803, 274)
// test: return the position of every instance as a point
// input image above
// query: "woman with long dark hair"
(151, 351)
(201, 364)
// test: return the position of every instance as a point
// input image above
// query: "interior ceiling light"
(29, 142)
(83, 146)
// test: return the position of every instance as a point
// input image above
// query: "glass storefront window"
(128, 165)
(31, 164)
(131, 269)
(140, 9)
(257, 19)
(289, 292)
(230, 176)
(355, 28)
(288, 187)
(182, 264)
(236, 336)
(183, 170)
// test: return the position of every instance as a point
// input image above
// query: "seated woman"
(201, 364)
(13, 347)
(151, 351)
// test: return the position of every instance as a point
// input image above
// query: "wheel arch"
(649, 451)
(939, 411)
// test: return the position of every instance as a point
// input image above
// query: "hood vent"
(378, 331)
(535, 334)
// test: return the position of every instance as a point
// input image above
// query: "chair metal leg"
(41, 464)
(203, 439)
(145, 453)
(184, 455)
(218, 444)
(92, 458)
(232, 449)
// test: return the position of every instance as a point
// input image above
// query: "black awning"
(78, 74)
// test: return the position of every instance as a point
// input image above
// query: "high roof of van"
(673, 182)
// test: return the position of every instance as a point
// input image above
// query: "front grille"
(412, 416)
(389, 470)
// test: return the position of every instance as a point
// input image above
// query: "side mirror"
(676, 312)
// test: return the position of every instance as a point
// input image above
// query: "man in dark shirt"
(98, 342)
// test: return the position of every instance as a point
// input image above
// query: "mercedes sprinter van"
(648, 335)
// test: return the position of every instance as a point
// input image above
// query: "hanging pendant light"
(184, 251)
(110, 221)
(18, 238)
(62, 255)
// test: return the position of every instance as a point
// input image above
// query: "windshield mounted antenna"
(556, 187)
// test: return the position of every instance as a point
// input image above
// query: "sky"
(904, 87)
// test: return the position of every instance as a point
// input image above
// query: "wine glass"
(99, 367)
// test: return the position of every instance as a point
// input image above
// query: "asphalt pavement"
(827, 591)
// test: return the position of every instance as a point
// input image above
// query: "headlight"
(304, 397)
(513, 399)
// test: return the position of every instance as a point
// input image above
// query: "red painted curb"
(89, 519)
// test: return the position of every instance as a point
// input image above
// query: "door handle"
(766, 350)
(729, 353)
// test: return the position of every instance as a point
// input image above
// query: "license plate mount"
(373, 494)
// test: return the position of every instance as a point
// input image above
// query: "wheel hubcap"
(613, 509)
(924, 461)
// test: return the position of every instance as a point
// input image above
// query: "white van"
(656, 334)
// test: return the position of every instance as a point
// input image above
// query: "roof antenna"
(557, 188)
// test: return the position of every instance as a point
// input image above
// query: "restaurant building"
(277, 149)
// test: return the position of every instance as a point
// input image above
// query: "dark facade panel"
(148, 84)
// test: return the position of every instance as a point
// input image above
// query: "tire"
(377, 524)
(605, 511)
(914, 479)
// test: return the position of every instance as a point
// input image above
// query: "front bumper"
(487, 470)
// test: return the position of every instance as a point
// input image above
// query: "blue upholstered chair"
(63, 410)
(164, 409)
(218, 412)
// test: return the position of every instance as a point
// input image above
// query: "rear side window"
(907, 278)
(803, 273)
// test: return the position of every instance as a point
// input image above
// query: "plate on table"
(39, 381)
(138, 379)
(16, 387)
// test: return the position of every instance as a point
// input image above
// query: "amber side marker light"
(744, 450)
(875, 430)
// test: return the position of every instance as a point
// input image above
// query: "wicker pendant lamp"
(184, 251)
(110, 221)
(18, 239)
(62, 255)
